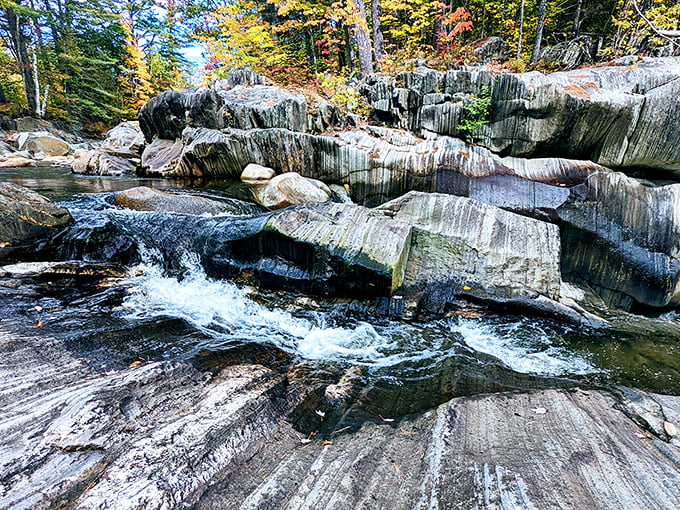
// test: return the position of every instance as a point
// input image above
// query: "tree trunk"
(577, 19)
(3, 99)
(363, 40)
(19, 43)
(539, 32)
(378, 49)
(349, 51)
(521, 30)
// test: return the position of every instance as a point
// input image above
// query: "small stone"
(670, 429)
(257, 174)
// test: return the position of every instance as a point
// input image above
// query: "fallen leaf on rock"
(388, 420)
(38, 324)
(321, 414)
(467, 287)
(640, 435)
(670, 428)
(136, 364)
(327, 443)
(540, 410)
(38, 308)
(305, 440)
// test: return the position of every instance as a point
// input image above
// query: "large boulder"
(288, 189)
(624, 238)
(257, 174)
(148, 199)
(42, 142)
(27, 221)
(461, 247)
(118, 154)
(263, 106)
(166, 115)
(125, 138)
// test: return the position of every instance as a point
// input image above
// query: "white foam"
(224, 312)
(506, 343)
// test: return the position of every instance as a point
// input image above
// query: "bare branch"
(669, 35)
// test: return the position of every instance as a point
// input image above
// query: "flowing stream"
(403, 367)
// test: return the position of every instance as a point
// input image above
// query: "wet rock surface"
(215, 436)
(148, 199)
(27, 221)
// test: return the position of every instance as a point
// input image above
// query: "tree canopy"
(98, 61)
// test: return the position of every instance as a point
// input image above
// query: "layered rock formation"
(117, 155)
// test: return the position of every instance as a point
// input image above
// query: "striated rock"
(27, 221)
(288, 189)
(148, 199)
(257, 174)
(160, 157)
(238, 76)
(491, 48)
(125, 138)
(461, 247)
(570, 54)
(117, 155)
(608, 115)
(624, 238)
(377, 163)
(42, 142)
(100, 162)
(263, 106)
(166, 115)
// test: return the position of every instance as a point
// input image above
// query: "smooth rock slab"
(148, 199)
(42, 142)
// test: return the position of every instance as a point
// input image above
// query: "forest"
(98, 61)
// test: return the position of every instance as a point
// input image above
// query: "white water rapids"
(224, 313)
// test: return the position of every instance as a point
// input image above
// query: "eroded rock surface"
(624, 237)
(117, 155)
(609, 115)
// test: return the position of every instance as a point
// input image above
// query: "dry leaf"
(388, 420)
(321, 414)
(38, 324)
(540, 410)
(38, 308)
(136, 364)
(327, 443)
(305, 440)
(670, 429)
(465, 287)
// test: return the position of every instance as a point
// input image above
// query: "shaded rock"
(160, 157)
(257, 174)
(491, 48)
(27, 221)
(42, 142)
(60, 269)
(263, 106)
(624, 238)
(570, 54)
(461, 247)
(148, 199)
(166, 115)
(288, 189)
(32, 124)
(5, 148)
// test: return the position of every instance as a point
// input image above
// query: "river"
(403, 367)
